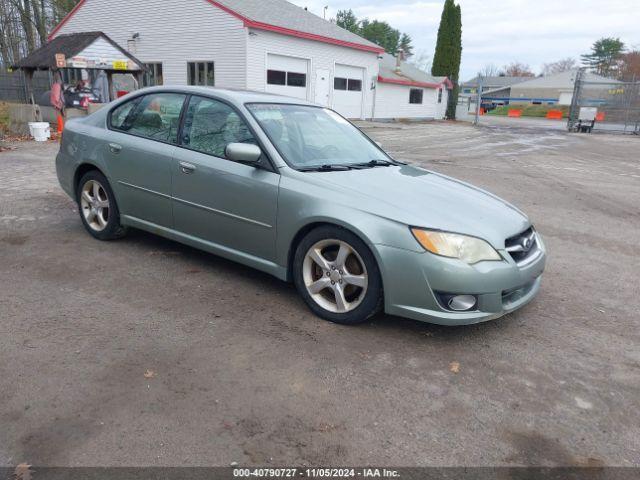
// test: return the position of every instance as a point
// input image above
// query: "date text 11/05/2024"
(315, 473)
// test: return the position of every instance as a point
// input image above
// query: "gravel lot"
(238, 370)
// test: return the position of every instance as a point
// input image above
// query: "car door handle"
(115, 148)
(187, 167)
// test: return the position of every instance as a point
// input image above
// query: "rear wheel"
(97, 206)
(337, 276)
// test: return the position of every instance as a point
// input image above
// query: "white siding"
(172, 32)
(320, 55)
(392, 101)
(102, 49)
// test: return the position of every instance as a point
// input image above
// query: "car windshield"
(314, 137)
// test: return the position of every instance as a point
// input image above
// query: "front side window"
(153, 76)
(156, 117)
(210, 125)
(310, 137)
(201, 73)
(415, 95)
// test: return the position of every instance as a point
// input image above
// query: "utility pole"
(324, 12)
(476, 121)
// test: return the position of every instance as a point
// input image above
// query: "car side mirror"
(243, 152)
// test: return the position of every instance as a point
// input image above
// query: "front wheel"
(337, 276)
(98, 209)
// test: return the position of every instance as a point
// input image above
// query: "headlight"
(468, 249)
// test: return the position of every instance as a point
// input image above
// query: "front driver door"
(140, 145)
(230, 204)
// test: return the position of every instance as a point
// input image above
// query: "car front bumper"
(410, 280)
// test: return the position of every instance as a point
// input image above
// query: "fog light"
(461, 303)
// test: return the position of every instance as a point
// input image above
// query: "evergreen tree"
(405, 45)
(446, 60)
(604, 56)
(347, 20)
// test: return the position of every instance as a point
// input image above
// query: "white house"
(404, 91)
(265, 45)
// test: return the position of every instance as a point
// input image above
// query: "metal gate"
(617, 105)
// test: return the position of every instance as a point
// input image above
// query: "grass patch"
(4, 118)
(529, 110)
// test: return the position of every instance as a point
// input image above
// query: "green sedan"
(297, 191)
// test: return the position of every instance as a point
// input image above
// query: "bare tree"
(518, 69)
(490, 70)
(422, 61)
(560, 66)
(24, 25)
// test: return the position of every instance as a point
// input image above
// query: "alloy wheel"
(94, 203)
(335, 275)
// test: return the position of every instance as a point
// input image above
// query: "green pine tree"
(446, 60)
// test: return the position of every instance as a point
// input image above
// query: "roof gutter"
(411, 83)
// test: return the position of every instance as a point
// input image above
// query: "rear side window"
(210, 125)
(155, 117)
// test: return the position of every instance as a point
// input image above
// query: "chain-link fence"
(605, 106)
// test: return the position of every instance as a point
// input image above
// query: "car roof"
(231, 95)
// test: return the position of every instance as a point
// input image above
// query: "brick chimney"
(399, 60)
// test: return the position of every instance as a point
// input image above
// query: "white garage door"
(348, 89)
(287, 75)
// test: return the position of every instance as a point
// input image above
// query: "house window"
(415, 95)
(296, 79)
(339, 83)
(201, 73)
(351, 84)
(354, 85)
(292, 79)
(153, 75)
(276, 77)
(439, 95)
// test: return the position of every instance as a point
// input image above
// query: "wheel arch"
(312, 225)
(80, 171)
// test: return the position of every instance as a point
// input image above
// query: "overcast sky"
(502, 31)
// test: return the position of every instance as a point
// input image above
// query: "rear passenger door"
(140, 146)
(228, 203)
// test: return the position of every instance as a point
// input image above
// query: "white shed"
(404, 91)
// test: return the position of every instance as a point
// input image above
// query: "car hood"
(419, 197)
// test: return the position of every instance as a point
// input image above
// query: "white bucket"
(40, 131)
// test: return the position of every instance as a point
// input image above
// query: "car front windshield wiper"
(374, 163)
(326, 168)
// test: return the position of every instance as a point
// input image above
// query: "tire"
(98, 208)
(330, 260)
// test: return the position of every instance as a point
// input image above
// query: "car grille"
(524, 247)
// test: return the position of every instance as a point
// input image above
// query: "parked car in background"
(297, 191)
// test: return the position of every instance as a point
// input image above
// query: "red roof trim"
(411, 83)
(311, 36)
(258, 25)
(65, 19)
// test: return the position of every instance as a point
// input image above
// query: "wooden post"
(140, 78)
(112, 94)
(28, 78)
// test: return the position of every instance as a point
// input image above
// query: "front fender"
(303, 204)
